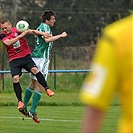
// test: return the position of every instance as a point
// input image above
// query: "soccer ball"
(22, 26)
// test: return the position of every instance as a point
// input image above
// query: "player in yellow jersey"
(112, 72)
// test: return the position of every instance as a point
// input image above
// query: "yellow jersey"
(112, 67)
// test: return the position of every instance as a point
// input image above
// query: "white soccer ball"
(22, 26)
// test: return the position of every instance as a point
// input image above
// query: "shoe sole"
(22, 111)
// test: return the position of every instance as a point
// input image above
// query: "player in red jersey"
(19, 57)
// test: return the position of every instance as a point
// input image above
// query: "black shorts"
(16, 65)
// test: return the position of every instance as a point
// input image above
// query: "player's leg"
(16, 73)
(42, 66)
(28, 93)
(30, 88)
(39, 77)
(18, 91)
(35, 101)
(30, 66)
(36, 96)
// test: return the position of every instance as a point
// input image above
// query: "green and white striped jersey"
(42, 49)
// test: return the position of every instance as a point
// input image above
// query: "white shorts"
(42, 64)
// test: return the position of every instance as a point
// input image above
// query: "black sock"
(18, 91)
(41, 80)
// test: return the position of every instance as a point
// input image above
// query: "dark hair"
(5, 20)
(47, 15)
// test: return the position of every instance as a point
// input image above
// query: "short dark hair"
(47, 15)
(5, 20)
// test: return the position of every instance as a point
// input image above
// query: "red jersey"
(17, 50)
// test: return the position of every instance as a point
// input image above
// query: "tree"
(83, 20)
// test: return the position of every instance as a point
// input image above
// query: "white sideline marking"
(10, 117)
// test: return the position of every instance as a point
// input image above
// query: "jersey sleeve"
(99, 85)
(3, 37)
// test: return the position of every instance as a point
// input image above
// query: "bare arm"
(45, 34)
(54, 38)
(12, 41)
(93, 119)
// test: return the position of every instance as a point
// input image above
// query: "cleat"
(49, 92)
(20, 105)
(34, 117)
(24, 112)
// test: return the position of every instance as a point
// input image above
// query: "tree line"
(82, 20)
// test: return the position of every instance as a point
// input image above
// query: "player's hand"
(64, 34)
(23, 33)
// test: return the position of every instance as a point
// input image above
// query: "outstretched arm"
(54, 38)
(45, 34)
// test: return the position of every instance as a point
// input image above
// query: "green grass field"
(54, 119)
(57, 119)
(59, 114)
(62, 113)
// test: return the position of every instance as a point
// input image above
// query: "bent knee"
(34, 70)
(16, 78)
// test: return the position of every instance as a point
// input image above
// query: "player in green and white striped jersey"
(40, 55)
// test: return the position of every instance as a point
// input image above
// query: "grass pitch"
(54, 119)
(62, 113)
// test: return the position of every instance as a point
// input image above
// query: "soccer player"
(19, 57)
(113, 71)
(40, 55)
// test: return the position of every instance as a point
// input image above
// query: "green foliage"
(69, 82)
(65, 82)
(83, 20)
